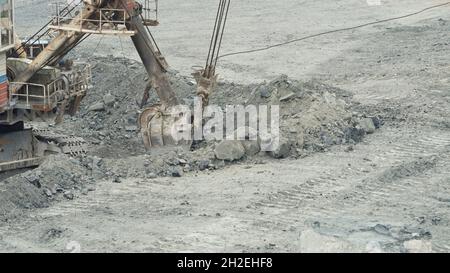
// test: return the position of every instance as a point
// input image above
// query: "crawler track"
(70, 145)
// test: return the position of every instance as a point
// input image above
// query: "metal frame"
(11, 30)
(73, 83)
(150, 12)
(79, 79)
(64, 22)
(20, 164)
(45, 101)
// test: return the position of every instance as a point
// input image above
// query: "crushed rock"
(313, 117)
(58, 175)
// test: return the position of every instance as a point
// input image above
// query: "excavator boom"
(153, 61)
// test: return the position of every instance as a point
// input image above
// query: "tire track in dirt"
(347, 197)
(108, 195)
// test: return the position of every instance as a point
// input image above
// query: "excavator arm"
(153, 62)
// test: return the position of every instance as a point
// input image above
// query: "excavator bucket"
(160, 127)
(165, 128)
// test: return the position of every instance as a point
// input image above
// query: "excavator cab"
(51, 92)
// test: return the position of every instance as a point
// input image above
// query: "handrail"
(147, 9)
(73, 83)
(61, 20)
(43, 95)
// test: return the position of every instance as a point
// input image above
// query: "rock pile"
(313, 117)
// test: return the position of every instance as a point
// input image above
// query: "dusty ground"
(390, 193)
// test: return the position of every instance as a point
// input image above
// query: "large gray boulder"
(229, 150)
(99, 106)
(277, 147)
(109, 100)
(367, 125)
(282, 151)
(249, 139)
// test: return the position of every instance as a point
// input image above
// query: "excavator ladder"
(34, 44)
(150, 12)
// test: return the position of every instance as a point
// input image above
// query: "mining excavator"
(39, 83)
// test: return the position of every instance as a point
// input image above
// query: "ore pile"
(314, 117)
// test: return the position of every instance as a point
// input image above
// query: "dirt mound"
(313, 117)
(59, 177)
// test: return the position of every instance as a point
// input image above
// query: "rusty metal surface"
(16, 145)
(205, 85)
(70, 145)
(27, 148)
(20, 164)
(158, 128)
